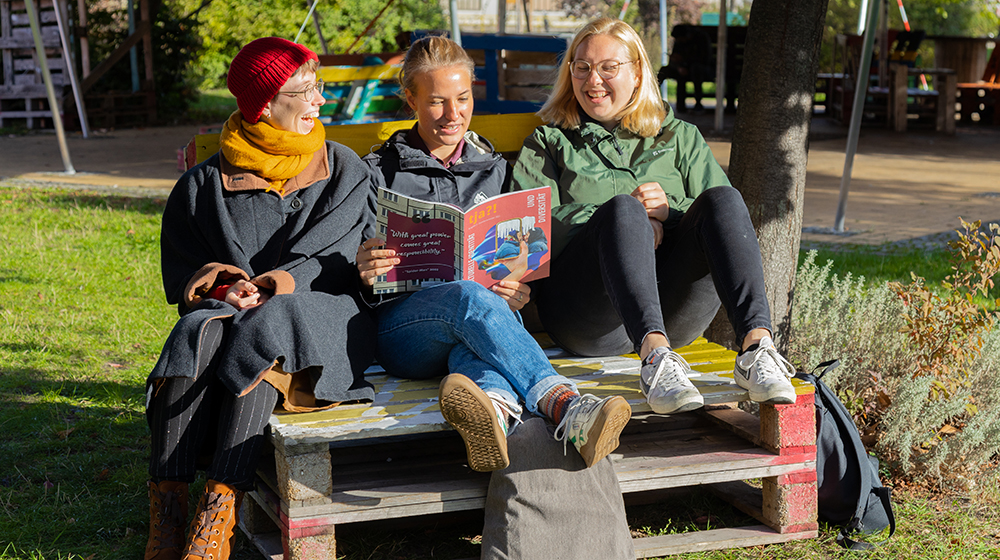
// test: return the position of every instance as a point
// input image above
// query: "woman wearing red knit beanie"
(262, 272)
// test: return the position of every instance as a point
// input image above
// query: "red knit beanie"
(260, 69)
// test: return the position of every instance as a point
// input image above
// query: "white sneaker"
(593, 425)
(765, 374)
(664, 380)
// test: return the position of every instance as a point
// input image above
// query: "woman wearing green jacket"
(649, 237)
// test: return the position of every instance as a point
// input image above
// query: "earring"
(267, 114)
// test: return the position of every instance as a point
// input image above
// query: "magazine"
(502, 238)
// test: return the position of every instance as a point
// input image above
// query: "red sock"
(555, 403)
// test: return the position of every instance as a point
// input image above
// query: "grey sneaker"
(471, 412)
(664, 380)
(765, 374)
(593, 425)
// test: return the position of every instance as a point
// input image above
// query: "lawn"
(83, 319)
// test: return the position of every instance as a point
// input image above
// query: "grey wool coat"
(220, 224)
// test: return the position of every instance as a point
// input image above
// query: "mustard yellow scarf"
(275, 155)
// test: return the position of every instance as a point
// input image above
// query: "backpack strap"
(827, 366)
(845, 541)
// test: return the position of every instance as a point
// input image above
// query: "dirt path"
(904, 186)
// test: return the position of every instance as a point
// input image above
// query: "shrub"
(919, 366)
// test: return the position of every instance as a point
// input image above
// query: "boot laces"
(171, 522)
(212, 517)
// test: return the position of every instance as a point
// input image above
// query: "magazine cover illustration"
(505, 237)
(513, 249)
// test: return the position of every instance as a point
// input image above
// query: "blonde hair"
(644, 113)
(428, 54)
(311, 65)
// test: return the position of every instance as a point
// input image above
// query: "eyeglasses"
(607, 69)
(310, 92)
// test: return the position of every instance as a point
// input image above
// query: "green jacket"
(589, 165)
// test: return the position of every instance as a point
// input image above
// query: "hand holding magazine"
(503, 238)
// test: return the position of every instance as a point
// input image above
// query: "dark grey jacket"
(401, 166)
(220, 224)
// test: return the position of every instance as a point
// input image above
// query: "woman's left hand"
(515, 294)
(653, 199)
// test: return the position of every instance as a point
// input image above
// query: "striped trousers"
(196, 422)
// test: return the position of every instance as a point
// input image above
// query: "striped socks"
(555, 403)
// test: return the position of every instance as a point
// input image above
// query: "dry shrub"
(921, 368)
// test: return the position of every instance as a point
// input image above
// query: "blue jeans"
(461, 327)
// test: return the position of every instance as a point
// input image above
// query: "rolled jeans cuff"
(544, 386)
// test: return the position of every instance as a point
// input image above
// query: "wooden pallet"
(23, 99)
(397, 457)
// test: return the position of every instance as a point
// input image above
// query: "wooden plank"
(31, 91)
(141, 29)
(714, 539)
(532, 77)
(341, 74)
(505, 132)
(527, 93)
(518, 58)
(644, 461)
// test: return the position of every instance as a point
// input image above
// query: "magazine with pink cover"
(503, 238)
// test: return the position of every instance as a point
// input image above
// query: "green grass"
(213, 106)
(82, 320)
(880, 264)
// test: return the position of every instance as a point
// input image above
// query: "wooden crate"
(23, 99)
(397, 457)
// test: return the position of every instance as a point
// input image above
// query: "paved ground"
(907, 188)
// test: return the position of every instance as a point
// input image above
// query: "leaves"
(946, 326)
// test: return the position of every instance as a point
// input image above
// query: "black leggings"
(194, 417)
(608, 289)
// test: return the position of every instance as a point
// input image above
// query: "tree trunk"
(770, 142)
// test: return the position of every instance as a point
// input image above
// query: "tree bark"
(770, 142)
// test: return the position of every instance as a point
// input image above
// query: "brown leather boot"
(213, 528)
(168, 506)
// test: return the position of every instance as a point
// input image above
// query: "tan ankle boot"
(213, 528)
(168, 506)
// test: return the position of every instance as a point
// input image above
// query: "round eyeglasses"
(309, 93)
(608, 69)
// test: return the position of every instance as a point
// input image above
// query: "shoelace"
(581, 404)
(172, 519)
(673, 371)
(776, 367)
(214, 515)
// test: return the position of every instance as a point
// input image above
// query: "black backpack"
(850, 492)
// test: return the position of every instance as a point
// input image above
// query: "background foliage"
(225, 25)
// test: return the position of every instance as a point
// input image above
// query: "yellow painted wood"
(341, 74)
(405, 406)
(505, 132)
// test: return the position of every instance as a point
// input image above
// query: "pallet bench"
(397, 457)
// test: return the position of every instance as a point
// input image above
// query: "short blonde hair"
(311, 65)
(644, 113)
(428, 54)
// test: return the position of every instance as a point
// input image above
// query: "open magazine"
(503, 238)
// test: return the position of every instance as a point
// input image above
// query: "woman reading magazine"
(461, 328)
